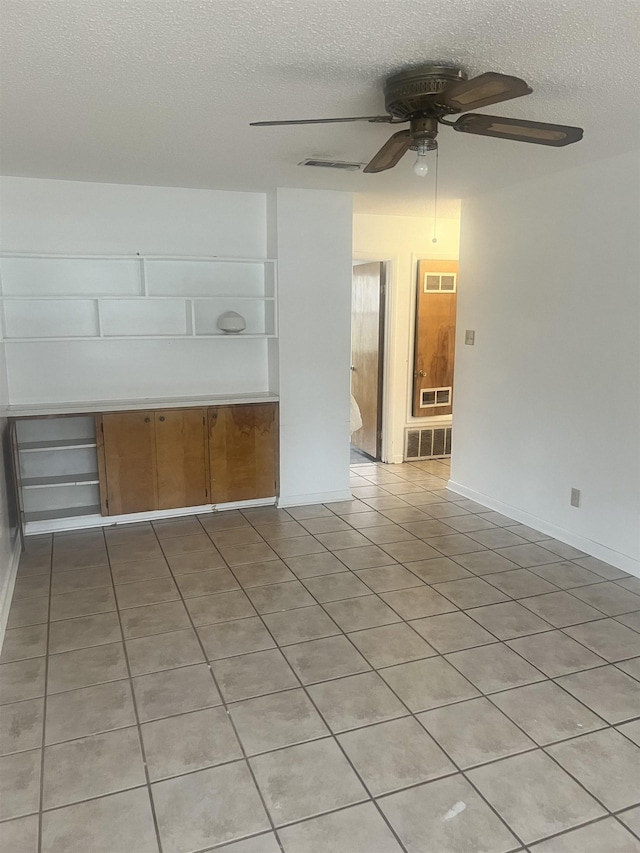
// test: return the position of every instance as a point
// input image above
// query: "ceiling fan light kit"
(426, 96)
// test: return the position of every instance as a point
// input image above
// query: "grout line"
(225, 706)
(135, 706)
(44, 710)
(344, 633)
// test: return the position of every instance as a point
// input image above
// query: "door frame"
(387, 280)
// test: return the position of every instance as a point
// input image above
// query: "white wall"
(311, 232)
(88, 218)
(314, 283)
(402, 241)
(549, 397)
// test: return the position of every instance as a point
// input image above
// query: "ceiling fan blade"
(376, 119)
(518, 129)
(391, 152)
(489, 88)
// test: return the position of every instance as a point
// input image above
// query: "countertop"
(92, 406)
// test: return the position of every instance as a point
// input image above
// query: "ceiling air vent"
(331, 164)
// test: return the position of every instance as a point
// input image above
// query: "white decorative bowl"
(232, 323)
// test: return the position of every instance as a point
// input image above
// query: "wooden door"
(181, 453)
(367, 327)
(435, 338)
(243, 452)
(129, 462)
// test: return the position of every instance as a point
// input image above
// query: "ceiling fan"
(427, 95)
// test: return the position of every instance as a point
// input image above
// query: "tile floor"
(407, 671)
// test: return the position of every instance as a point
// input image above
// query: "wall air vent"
(427, 443)
(331, 164)
(430, 397)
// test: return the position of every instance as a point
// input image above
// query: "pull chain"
(435, 203)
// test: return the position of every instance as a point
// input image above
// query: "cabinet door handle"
(161, 418)
(147, 420)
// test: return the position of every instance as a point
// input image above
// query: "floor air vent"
(332, 164)
(427, 443)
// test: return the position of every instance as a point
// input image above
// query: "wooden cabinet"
(243, 455)
(129, 446)
(117, 463)
(181, 455)
(153, 460)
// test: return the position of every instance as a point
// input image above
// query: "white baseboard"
(594, 549)
(6, 593)
(245, 504)
(81, 522)
(315, 498)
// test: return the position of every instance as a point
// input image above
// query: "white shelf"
(58, 467)
(57, 444)
(61, 480)
(65, 298)
(71, 512)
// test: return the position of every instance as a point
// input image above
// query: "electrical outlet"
(575, 497)
(469, 337)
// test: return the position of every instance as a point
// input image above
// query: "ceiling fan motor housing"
(412, 92)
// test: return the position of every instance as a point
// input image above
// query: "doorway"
(367, 351)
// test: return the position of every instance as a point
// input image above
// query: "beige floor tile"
(534, 795)
(91, 767)
(394, 755)
(189, 742)
(255, 674)
(546, 712)
(175, 691)
(19, 784)
(163, 651)
(21, 726)
(83, 632)
(555, 653)
(22, 680)
(296, 626)
(391, 644)
(303, 781)
(494, 667)
(119, 823)
(595, 838)
(426, 684)
(356, 701)
(451, 632)
(21, 643)
(279, 719)
(84, 667)
(88, 711)
(183, 808)
(610, 693)
(423, 818)
(320, 660)
(154, 619)
(474, 732)
(20, 835)
(606, 763)
(358, 829)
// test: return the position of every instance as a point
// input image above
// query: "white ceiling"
(161, 92)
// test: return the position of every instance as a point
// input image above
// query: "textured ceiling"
(162, 91)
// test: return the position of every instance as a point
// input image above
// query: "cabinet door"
(181, 442)
(243, 443)
(130, 462)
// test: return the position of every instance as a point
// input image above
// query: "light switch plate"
(575, 497)
(469, 337)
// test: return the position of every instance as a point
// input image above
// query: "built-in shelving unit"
(58, 467)
(94, 297)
